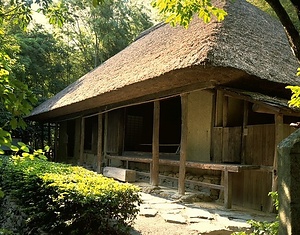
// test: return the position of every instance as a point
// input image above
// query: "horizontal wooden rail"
(203, 184)
(199, 165)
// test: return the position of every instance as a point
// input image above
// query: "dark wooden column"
(105, 139)
(154, 177)
(99, 144)
(55, 142)
(81, 140)
(244, 132)
(183, 144)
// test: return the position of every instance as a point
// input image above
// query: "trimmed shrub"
(63, 199)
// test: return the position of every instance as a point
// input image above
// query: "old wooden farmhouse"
(203, 107)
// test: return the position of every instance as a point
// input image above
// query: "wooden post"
(105, 139)
(154, 176)
(183, 143)
(55, 142)
(49, 134)
(99, 144)
(227, 189)
(244, 132)
(219, 109)
(278, 139)
(224, 124)
(81, 141)
(43, 136)
(225, 111)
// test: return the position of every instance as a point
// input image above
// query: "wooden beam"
(183, 144)
(81, 141)
(99, 143)
(154, 177)
(123, 175)
(197, 165)
(260, 108)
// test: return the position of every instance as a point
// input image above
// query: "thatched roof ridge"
(247, 40)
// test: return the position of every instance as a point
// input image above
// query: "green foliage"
(97, 33)
(182, 11)
(295, 99)
(288, 6)
(63, 199)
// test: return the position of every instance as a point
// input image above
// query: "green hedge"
(64, 199)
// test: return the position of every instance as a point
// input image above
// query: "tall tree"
(99, 33)
(15, 98)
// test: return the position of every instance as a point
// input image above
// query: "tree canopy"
(35, 63)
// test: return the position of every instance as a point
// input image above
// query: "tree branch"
(291, 31)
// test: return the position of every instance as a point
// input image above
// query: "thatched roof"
(247, 46)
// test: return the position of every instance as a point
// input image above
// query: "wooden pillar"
(278, 137)
(244, 132)
(49, 134)
(99, 144)
(154, 177)
(43, 136)
(105, 139)
(225, 111)
(227, 189)
(81, 141)
(218, 120)
(224, 124)
(55, 142)
(183, 144)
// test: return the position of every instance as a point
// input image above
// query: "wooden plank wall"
(259, 146)
(251, 188)
(115, 131)
(227, 144)
(254, 186)
(232, 137)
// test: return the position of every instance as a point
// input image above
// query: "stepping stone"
(207, 228)
(148, 212)
(168, 206)
(174, 218)
(198, 213)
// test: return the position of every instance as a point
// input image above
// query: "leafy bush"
(63, 199)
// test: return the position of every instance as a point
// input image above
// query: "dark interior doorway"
(139, 126)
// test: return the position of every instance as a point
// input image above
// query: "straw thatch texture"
(247, 43)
